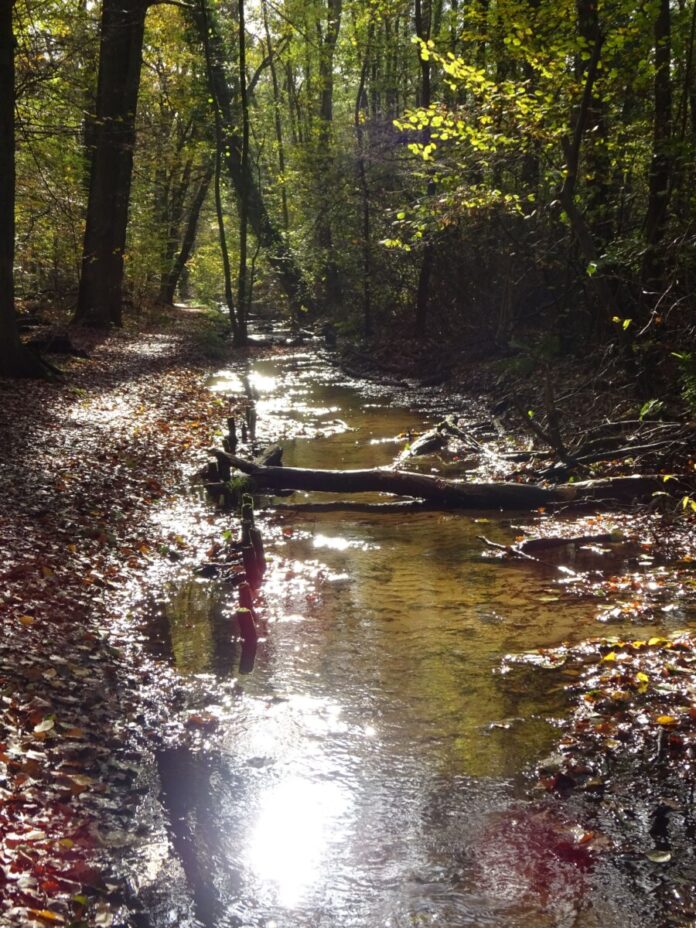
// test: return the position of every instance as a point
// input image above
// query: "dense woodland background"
(499, 176)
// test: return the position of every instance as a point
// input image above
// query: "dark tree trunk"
(171, 195)
(361, 105)
(243, 292)
(101, 283)
(597, 157)
(660, 179)
(173, 276)
(423, 26)
(572, 147)
(325, 161)
(423, 291)
(15, 361)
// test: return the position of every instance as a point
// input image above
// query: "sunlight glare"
(262, 383)
(328, 541)
(226, 382)
(297, 820)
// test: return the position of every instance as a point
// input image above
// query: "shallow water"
(370, 774)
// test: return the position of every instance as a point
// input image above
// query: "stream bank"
(377, 766)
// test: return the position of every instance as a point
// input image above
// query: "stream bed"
(372, 771)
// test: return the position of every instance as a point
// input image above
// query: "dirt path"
(91, 465)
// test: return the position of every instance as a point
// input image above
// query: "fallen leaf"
(659, 857)
(44, 726)
(47, 916)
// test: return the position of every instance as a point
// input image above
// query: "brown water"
(370, 775)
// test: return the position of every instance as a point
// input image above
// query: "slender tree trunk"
(219, 146)
(173, 276)
(294, 109)
(243, 180)
(277, 120)
(101, 283)
(572, 147)
(15, 361)
(242, 282)
(359, 115)
(172, 213)
(597, 158)
(325, 161)
(660, 180)
(423, 22)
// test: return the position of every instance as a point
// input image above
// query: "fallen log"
(447, 493)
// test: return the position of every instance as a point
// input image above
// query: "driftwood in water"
(533, 546)
(437, 438)
(446, 493)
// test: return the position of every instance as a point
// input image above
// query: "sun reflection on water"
(298, 820)
(262, 383)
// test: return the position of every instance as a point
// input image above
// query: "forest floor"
(92, 464)
(94, 468)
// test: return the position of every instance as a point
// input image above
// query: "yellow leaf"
(642, 677)
(666, 720)
(26, 619)
(610, 657)
(654, 641)
(47, 916)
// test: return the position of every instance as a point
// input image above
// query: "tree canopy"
(497, 172)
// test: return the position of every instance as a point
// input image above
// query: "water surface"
(371, 773)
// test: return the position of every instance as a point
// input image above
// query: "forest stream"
(373, 772)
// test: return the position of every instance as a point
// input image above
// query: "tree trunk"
(597, 157)
(219, 148)
(423, 26)
(277, 120)
(170, 196)
(243, 295)
(359, 115)
(660, 179)
(15, 360)
(580, 228)
(325, 159)
(171, 279)
(243, 180)
(101, 282)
